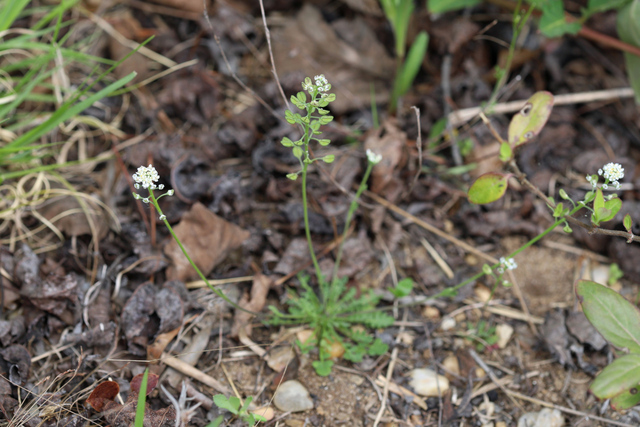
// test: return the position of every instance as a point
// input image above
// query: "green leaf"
(442, 6)
(289, 117)
(627, 222)
(613, 316)
(330, 98)
(488, 188)
(530, 120)
(613, 206)
(329, 158)
(506, 153)
(297, 152)
(248, 400)
(324, 142)
(615, 273)
(325, 120)
(628, 26)
(292, 176)
(354, 353)
(553, 22)
(558, 211)
(619, 382)
(403, 289)
(142, 400)
(286, 142)
(563, 194)
(302, 97)
(231, 404)
(597, 6)
(378, 348)
(322, 367)
(217, 422)
(412, 64)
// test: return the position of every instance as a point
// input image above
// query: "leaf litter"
(238, 215)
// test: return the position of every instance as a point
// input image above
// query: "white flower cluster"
(322, 85)
(146, 177)
(612, 172)
(507, 264)
(373, 157)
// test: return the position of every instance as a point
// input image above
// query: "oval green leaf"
(619, 382)
(530, 120)
(613, 316)
(488, 188)
(627, 222)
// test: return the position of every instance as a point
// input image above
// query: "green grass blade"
(142, 400)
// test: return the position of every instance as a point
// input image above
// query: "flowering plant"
(332, 310)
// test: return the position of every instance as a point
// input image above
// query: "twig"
(459, 117)
(492, 376)
(194, 373)
(267, 35)
(419, 146)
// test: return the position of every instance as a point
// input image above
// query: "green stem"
(307, 230)
(153, 199)
(352, 209)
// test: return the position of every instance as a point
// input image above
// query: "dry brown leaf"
(259, 290)
(67, 215)
(346, 52)
(207, 239)
(388, 141)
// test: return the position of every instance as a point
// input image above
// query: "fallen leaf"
(207, 239)
(387, 141)
(352, 59)
(256, 302)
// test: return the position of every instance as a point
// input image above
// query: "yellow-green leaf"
(530, 120)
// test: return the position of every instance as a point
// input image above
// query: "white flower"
(613, 171)
(509, 264)
(605, 186)
(146, 177)
(373, 157)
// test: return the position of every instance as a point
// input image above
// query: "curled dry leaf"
(104, 392)
(259, 290)
(207, 238)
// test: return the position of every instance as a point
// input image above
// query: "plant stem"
(307, 230)
(352, 209)
(153, 199)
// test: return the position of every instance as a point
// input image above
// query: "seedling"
(232, 404)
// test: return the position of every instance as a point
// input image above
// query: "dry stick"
(419, 145)
(515, 394)
(392, 365)
(267, 35)
(194, 373)
(459, 117)
(453, 240)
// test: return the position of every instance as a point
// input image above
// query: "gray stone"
(545, 418)
(291, 396)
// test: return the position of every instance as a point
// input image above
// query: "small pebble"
(448, 323)
(292, 396)
(431, 313)
(545, 418)
(451, 365)
(424, 383)
(482, 293)
(504, 332)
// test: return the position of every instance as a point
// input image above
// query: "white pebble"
(426, 382)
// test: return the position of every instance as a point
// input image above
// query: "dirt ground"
(106, 293)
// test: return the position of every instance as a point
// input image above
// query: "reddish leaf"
(152, 382)
(103, 393)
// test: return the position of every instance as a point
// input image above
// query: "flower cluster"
(373, 157)
(146, 177)
(322, 85)
(612, 173)
(507, 264)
